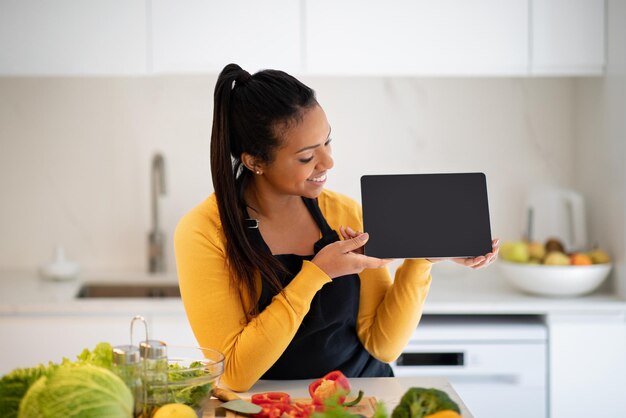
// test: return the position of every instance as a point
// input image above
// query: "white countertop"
(458, 291)
(386, 389)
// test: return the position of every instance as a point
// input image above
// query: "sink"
(129, 290)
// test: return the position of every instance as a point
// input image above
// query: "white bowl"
(555, 280)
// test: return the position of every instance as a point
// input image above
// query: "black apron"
(327, 339)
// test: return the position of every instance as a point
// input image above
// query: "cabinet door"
(72, 37)
(30, 340)
(417, 37)
(199, 35)
(587, 357)
(568, 37)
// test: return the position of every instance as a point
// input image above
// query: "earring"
(258, 172)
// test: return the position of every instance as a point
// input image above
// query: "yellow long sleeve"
(388, 312)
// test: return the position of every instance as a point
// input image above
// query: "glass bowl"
(563, 281)
(188, 376)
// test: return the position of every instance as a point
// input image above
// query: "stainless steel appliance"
(553, 212)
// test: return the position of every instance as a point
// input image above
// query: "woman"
(264, 276)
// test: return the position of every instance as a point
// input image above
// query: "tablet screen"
(426, 215)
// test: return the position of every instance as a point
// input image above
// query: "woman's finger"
(352, 231)
(373, 262)
(354, 243)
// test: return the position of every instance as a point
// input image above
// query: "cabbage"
(13, 386)
(84, 391)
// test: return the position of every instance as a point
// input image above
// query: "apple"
(515, 251)
(556, 258)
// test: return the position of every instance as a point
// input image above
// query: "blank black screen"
(426, 215)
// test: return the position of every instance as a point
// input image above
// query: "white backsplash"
(75, 152)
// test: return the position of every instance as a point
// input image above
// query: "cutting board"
(366, 407)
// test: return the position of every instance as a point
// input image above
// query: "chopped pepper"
(332, 384)
(270, 397)
(274, 410)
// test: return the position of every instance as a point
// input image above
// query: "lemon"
(175, 410)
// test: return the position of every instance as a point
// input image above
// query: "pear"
(599, 256)
(556, 258)
(536, 250)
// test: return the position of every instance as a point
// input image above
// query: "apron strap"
(328, 234)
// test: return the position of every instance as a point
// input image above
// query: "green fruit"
(515, 251)
(556, 258)
(599, 256)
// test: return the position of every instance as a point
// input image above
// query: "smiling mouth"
(319, 179)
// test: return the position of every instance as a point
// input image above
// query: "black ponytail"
(249, 112)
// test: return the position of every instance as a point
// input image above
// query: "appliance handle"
(576, 207)
(499, 379)
(430, 359)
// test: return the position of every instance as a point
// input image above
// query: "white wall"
(75, 152)
(600, 150)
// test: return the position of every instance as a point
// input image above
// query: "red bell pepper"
(285, 410)
(270, 397)
(305, 410)
(333, 383)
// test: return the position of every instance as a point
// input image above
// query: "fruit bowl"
(192, 372)
(547, 280)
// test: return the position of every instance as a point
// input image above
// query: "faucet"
(156, 237)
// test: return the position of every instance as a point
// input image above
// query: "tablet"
(426, 215)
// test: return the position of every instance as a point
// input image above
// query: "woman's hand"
(349, 233)
(346, 257)
(477, 262)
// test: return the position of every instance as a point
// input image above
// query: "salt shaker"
(154, 370)
(127, 365)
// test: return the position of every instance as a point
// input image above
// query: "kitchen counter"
(386, 389)
(464, 291)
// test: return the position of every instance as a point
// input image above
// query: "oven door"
(490, 377)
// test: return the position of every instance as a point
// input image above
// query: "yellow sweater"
(388, 311)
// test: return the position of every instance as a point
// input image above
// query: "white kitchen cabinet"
(204, 36)
(32, 339)
(568, 37)
(72, 37)
(587, 366)
(174, 329)
(423, 37)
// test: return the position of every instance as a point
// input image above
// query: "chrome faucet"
(156, 237)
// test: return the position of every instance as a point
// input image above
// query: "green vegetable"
(101, 356)
(15, 384)
(74, 391)
(355, 401)
(334, 409)
(188, 385)
(419, 402)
